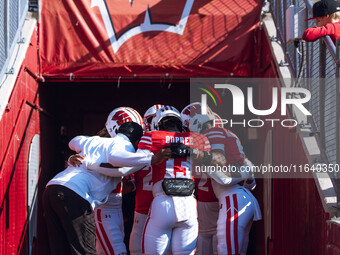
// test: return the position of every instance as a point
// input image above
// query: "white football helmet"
(190, 111)
(166, 111)
(119, 116)
(149, 114)
(196, 123)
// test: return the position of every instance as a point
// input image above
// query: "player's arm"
(110, 170)
(122, 158)
(145, 146)
(140, 158)
(226, 174)
(250, 183)
(231, 175)
(120, 155)
(77, 143)
(127, 157)
(103, 168)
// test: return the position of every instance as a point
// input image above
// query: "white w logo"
(146, 26)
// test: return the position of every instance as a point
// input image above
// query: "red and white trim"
(143, 237)
(232, 225)
(102, 236)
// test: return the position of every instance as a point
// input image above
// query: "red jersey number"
(147, 179)
(203, 184)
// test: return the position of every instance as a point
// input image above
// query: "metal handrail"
(309, 4)
(331, 47)
(337, 181)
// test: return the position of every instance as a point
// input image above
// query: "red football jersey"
(227, 141)
(174, 167)
(144, 196)
(204, 189)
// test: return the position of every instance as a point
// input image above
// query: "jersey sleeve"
(226, 141)
(200, 142)
(146, 142)
(77, 143)
(113, 171)
(217, 139)
(119, 157)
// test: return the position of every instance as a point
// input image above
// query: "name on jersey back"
(175, 139)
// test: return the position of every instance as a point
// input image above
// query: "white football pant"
(234, 223)
(109, 231)
(162, 226)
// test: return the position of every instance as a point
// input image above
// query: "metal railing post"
(322, 93)
(337, 135)
(284, 21)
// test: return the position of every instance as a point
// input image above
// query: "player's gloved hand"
(128, 186)
(179, 150)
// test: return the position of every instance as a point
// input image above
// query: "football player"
(72, 195)
(109, 217)
(207, 203)
(207, 210)
(238, 207)
(144, 195)
(172, 216)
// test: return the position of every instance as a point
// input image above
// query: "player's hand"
(75, 160)
(163, 154)
(128, 186)
(179, 150)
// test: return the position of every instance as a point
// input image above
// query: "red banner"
(105, 39)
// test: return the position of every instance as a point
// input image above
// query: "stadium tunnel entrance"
(71, 109)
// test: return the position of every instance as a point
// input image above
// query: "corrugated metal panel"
(330, 112)
(12, 17)
(17, 127)
(2, 35)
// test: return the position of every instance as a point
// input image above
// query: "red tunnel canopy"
(104, 39)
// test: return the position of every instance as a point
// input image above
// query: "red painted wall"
(18, 125)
